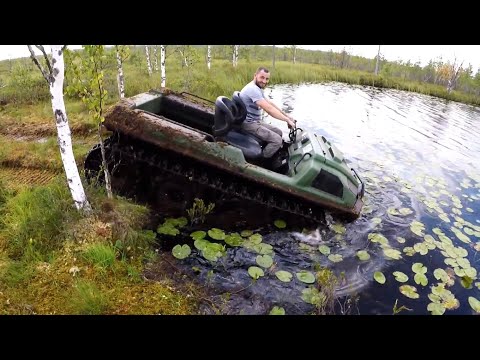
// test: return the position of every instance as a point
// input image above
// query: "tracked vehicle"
(166, 142)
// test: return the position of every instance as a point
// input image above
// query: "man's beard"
(259, 85)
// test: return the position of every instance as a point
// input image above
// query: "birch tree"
(122, 52)
(378, 61)
(235, 55)
(162, 65)
(293, 49)
(87, 82)
(149, 64)
(209, 56)
(54, 75)
(273, 57)
(155, 58)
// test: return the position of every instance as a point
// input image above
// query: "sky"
(423, 53)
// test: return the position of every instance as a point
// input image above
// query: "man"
(254, 99)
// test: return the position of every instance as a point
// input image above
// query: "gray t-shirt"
(249, 95)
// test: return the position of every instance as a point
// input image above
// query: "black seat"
(227, 121)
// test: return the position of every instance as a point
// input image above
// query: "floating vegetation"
(324, 249)
(400, 276)
(335, 258)
(305, 276)
(313, 296)
(281, 224)
(392, 253)
(284, 276)
(409, 291)
(339, 228)
(255, 272)
(363, 255)
(264, 261)
(379, 277)
(216, 234)
(181, 251)
(277, 311)
(417, 228)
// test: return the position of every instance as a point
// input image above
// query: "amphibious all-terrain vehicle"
(166, 141)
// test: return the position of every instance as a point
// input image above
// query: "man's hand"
(292, 123)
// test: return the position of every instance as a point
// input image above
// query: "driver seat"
(227, 121)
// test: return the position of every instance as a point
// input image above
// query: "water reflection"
(418, 156)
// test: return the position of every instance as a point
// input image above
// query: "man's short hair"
(262, 68)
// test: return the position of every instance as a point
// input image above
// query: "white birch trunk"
(120, 78)
(149, 64)
(295, 55)
(162, 65)
(378, 60)
(235, 55)
(209, 56)
(155, 58)
(63, 130)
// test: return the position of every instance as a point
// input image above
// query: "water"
(417, 154)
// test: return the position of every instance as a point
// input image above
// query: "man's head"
(261, 77)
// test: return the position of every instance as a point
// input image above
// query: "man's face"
(261, 79)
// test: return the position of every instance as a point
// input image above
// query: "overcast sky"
(423, 53)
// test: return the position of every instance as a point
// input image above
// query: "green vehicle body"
(317, 172)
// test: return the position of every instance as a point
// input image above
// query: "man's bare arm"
(274, 111)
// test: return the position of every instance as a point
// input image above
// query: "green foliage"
(87, 299)
(181, 251)
(255, 272)
(284, 276)
(277, 311)
(397, 310)
(199, 211)
(36, 219)
(101, 255)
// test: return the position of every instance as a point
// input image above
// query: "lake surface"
(419, 158)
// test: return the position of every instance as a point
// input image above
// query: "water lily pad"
(461, 236)
(216, 234)
(468, 231)
(263, 249)
(405, 211)
(419, 268)
(409, 291)
(255, 272)
(339, 228)
(421, 248)
(417, 228)
(335, 258)
(400, 239)
(393, 211)
(408, 250)
(444, 217)
(306, 277)
(459, 272)
(197, 235)
(441, 275)
(434, 298)
(436, 308)
(471, 272)
(201, 244)
(392, 253)
(167, 229)
(474, 303)
(463, 262)
(379, 277)
(234, 239)
(264, 260)
(246, 233)
(313, 296)
(466, 282)
(284, 276)
(400, 276)
(451, 262)
(255, 238)
(181, 251)
(177, 222)
(280, 224)
(378, 238)
(324, 249)
(363, 255)
(277, 311)
(420, 279)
